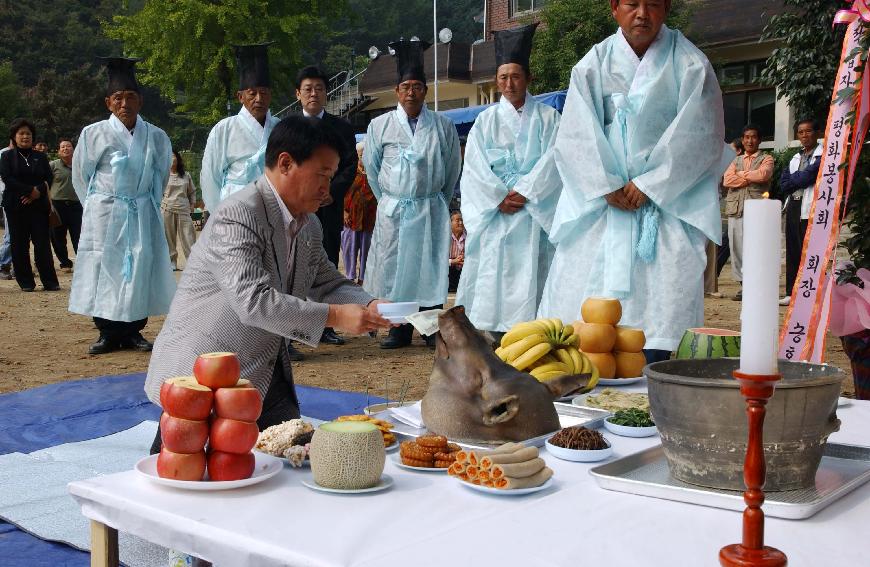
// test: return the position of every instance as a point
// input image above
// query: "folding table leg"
(104, 545)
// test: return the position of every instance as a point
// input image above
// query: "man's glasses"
(309, 90)
(416, 87)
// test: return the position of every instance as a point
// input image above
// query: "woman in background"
(27, 177)
(179, 200)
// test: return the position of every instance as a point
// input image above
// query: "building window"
(746, 100)
(522, 6)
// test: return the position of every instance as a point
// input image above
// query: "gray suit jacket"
(236, 294)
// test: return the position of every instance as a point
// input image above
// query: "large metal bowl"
(701, 417)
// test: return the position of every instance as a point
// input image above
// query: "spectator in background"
(457, 249)
(67, 205)
(179, 199)
(27, 177)
(797, 182)
(41, 147)
(724, 251)
(6, 244)
(748, 177)
(311, 85)
(360, 212)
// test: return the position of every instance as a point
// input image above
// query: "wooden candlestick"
(757, 390)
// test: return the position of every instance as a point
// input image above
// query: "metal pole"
(435, 29)
(484, 18)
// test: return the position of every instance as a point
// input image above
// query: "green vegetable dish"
(633, 417)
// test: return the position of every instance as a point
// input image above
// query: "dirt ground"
(43, 343)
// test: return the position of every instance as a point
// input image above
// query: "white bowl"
(402, 309)
(580, 455)
(627, 431)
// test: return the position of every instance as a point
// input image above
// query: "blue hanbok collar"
(259, 132)
(123, 134)
(424, 120)
(646, 66)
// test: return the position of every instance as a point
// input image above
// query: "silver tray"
(843, 469)
(569, 415)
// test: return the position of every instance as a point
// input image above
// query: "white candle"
(759, 317)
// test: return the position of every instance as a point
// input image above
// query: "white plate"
(579, 455)
(502, 492)
(397, 460)
(627, 431)
(843, 402)
(619, 381)
(392, 448)
(265, 467)
(581, 400)
(386, 482)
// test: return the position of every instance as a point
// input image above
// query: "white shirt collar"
(290, 221)
(322, 112)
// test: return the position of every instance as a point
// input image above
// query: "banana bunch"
(546, 349)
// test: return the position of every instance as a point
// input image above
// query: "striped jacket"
(236, 296)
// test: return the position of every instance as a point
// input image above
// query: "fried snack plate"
(569, 415)
(397, 460)
(502, 492)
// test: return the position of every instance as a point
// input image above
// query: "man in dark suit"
(311, 85)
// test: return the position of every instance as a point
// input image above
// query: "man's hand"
(356, 319)
(512, 203)
(634, 195)
(619, 200)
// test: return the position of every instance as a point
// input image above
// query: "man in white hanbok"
(120, 167)
(510, 186)
(412, 163)
(235, 151)
(640, 152)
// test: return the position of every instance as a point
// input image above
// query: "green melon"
(347, 455)
(709, 343)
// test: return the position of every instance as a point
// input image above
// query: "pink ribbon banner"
(803, 334)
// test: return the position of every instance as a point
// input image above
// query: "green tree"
(803, 68)
(11, 93)
(187, 46)
(62, 104)
(571, 28)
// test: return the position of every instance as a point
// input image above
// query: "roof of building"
(715, 23)
(723, 22)
(452, 65)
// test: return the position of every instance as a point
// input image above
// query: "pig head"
(474, 396)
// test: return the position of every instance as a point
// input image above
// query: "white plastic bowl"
(627, 431)
(402, 309)
(579, 455)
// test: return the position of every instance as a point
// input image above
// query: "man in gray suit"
(258, 276)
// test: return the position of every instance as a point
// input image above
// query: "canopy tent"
(465, 117)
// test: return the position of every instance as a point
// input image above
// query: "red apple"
(181, 466)
(240, 402)
(183, 435)
(217, 369)
(230, 466)
(233, 436)
(186, 398)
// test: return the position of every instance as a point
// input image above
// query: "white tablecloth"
(430, 520)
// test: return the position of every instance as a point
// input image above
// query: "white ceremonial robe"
(658, 122)
(235, 155)
(507, 256)
(413, 176)
(122, 270)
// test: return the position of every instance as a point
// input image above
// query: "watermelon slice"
(709, 343)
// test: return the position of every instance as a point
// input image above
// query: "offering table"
(429, 519)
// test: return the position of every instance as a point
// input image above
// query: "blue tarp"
(87, 409)
(465, 117)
